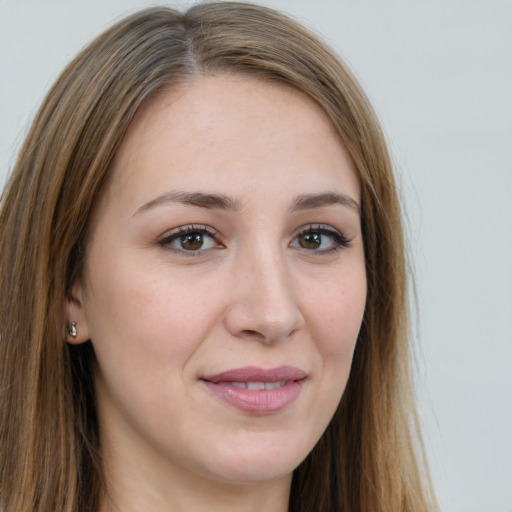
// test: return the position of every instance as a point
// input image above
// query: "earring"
(72, 330)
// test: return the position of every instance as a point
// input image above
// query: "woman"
(204, 210)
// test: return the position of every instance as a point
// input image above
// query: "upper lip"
(255, 374)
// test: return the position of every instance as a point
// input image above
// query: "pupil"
(311, 241)
(192, 241)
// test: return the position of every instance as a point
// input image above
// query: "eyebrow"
(198, 199)
(311, 201)
(223, 202)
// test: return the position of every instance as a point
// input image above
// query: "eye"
(320, 239)
(190, 239)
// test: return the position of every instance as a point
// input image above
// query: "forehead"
(228, 132)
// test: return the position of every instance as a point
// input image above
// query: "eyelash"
(339, 240)
(184, 231)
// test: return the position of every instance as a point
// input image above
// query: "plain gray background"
(440, 75)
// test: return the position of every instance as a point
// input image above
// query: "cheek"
(148, 328)
(144, 330)
(335, 317)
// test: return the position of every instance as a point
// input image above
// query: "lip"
(260, 401)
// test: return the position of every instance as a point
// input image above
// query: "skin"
(160, 317)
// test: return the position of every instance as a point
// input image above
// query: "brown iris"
(310, 240)
(192, 241)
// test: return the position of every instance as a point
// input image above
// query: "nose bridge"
(264, 303)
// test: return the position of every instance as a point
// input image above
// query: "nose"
(263, 303)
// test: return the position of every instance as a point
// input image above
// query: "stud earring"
(72, 330)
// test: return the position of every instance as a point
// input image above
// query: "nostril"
(253, 334)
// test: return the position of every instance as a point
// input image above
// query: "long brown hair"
(370, 458)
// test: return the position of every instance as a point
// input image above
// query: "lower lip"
(259, 402)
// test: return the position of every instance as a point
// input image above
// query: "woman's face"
(224, 283)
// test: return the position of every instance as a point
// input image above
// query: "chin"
(259, 461)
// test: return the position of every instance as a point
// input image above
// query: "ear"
(76, 317)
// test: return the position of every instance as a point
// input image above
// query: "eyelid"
(173, 234)
(340, 241)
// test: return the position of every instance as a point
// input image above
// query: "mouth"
(255, 385)
(257, 391)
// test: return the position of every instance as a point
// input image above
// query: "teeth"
(256, 386)
(273, 385)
